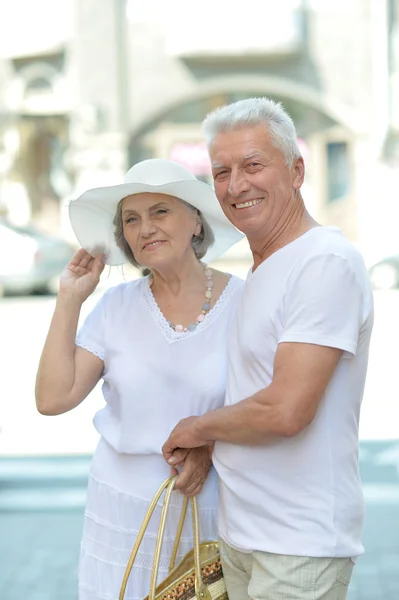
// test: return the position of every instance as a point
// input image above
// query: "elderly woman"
(159, 344)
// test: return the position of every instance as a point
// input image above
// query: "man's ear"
(299, 173)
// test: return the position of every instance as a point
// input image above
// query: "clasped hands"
(185, 449)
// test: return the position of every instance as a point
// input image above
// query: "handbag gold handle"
(201, 590)
(176, 544)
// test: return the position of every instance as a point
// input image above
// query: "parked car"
(30, 261)
(384, 275)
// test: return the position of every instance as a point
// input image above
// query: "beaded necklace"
(205, 307)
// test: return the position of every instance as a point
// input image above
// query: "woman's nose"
(148, 227)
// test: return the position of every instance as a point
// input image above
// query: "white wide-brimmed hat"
(92, 214)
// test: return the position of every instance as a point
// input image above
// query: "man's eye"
(161, 211)
(220, 174)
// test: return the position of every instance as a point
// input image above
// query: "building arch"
(327, 132)
(264, 85)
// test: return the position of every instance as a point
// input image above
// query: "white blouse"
(153, 376)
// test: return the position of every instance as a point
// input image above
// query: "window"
(338, 170)
(39, 84)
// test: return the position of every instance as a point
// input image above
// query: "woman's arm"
(68, 373)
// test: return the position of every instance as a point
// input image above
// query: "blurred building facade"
(116, 81)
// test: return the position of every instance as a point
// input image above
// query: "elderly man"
(286, 442)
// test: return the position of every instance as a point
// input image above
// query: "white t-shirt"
(300, 495)
(154, 376)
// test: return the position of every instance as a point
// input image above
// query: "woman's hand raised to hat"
(81, 275)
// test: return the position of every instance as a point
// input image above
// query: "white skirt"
(120, 489)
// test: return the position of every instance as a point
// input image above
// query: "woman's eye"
(161, 211)
(131, 220)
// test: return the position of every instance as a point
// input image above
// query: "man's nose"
(238, 183)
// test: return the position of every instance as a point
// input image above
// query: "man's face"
(253, 184)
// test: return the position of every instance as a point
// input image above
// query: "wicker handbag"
(198, 576)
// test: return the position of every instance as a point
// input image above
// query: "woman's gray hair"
(200, 242)
(250, 113)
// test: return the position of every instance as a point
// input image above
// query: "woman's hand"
(81, 275)
(195, 471)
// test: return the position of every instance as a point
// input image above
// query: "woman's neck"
(178, 278)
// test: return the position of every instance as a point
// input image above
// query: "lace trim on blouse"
(83, 343)
(210, 317)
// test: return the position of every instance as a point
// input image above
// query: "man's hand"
(195, 471)
(184, 435)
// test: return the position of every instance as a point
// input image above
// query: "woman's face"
(158, 228)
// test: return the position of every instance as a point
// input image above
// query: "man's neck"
(291, 228)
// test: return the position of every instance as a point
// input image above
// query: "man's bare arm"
(302, 373)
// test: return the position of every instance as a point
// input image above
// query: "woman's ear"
(198, 229)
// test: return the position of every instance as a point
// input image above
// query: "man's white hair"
(250, 113)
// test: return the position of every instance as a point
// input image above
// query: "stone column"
(98, 75)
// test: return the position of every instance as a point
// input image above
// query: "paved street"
(44, 463)
(41, 511)
(39, 555)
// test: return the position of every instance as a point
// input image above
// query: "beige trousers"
(264, 576)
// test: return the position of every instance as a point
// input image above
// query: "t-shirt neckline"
(251, 273)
